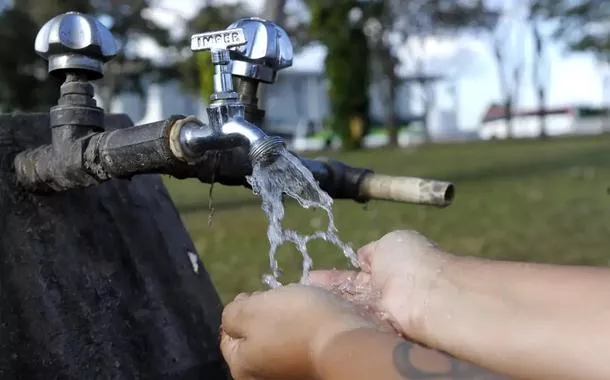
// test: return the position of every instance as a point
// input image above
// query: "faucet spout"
(241, 127)
(263, 149)
(194, 139)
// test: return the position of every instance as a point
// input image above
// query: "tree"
(21, 89)
(509, 57)
(539, 12)
(272, 11)
(399, 21)
(347, 65)
(24, 85)
(583, 25)
(129, 70)
(42, 11)
(384, 59)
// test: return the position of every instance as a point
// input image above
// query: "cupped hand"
(397, 276)
(278, 334)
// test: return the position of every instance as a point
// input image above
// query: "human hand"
(280, 333)
(397, 275)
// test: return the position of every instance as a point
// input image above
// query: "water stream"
(287, 175)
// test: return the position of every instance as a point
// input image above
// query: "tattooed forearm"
(414, 362)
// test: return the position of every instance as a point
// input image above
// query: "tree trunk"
(99, 283)
(508, 117)
(538, 80)
(426, 125)
(427, 103)
(542, 113)
(392, 123)
(505, 85)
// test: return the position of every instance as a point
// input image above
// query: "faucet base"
(247, 89)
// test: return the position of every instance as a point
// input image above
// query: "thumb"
(228, 345)
(366, 254)
(236, 316)
(230, 348)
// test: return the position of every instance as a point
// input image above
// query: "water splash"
(287, 175)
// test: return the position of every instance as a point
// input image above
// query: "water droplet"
(271, 281)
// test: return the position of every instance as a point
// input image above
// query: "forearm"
(526, 320)
(367, 354)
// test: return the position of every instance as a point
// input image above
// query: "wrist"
(457, 304)
(415, 291)
(350, 354)
(326, 337)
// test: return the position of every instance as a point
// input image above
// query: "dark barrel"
(99, 283)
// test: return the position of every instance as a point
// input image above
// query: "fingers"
(236, 314)
(228, 346)
(329, 278)
(241, 296)
(365, 255)
(231, 349)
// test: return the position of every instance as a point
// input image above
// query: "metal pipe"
(123, 153)
(363, 185)
(156, 148)
(90, 160)
(407, 190)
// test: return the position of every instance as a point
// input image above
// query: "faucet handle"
(76, 41)
(268, 50)
(219, 43)
(220, 40)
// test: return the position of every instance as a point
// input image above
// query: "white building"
(559, 121)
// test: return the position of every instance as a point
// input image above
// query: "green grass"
(518, 200)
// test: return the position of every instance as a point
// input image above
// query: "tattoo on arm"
(414, 362)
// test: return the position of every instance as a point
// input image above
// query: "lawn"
(517, 200)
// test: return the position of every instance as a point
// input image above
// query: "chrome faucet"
(268, 50)
(228, 127)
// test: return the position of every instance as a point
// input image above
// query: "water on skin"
(287, 175)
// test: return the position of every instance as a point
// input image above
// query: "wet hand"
(278, 334)
(398, 275)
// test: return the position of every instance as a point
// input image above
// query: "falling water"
(287, 175)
